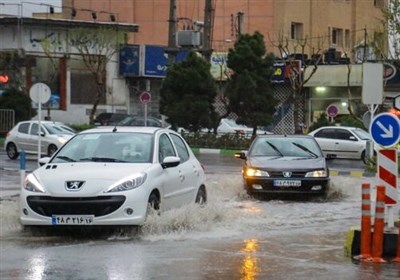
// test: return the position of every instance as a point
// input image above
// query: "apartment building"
(339, 24)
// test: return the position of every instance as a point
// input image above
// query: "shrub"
(19, 102)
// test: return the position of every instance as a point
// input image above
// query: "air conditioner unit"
(188, 38)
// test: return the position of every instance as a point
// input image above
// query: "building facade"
(341, 24)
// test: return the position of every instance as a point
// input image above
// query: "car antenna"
(114, 129)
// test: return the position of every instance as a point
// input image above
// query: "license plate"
(72, 219)
(287, 183)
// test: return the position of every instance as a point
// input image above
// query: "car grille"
(97, 206)
(279, 174)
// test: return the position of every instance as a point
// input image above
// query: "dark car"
(109, 118)
(285, 164)
(131, 120)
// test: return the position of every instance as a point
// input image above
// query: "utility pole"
(172, 49)
(207, 30)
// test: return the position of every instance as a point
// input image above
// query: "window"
(337, 36)
(343, 134)
(325, 133)
(165, 148)
(23, 128)
(296, 30)
(347, 39)
(181, 147)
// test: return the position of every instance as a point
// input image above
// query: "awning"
(334, 75)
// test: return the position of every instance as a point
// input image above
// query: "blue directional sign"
(385, 129)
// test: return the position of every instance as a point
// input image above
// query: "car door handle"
(181, 176)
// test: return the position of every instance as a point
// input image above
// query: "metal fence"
(7, 121)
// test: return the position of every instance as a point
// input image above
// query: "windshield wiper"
(275, 148)
(66, 158)
(305, 149)
(101, 159)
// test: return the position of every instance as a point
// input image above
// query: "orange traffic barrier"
(397, 258)
(365, 247)
(379, 224)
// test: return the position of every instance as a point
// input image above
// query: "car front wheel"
(11, 150)
(153, 204)
(201, 197)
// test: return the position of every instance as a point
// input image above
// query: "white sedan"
(230, 126)
(342, 141)
(113, 176)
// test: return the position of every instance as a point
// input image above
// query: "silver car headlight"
(317, 174)
(32, 184)
(254, 172)
(132, 183)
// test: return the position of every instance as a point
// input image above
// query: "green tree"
(19, 102)
(249, 90)
(187, 94)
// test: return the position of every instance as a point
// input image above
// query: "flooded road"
(233, 237)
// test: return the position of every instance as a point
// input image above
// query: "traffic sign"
(397, 102)
(40, 92)
(145, 97)
(332, 111)
(385, 129)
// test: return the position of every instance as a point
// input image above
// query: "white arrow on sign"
(388, 133)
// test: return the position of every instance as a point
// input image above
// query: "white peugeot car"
(342, 141)
(113, 176)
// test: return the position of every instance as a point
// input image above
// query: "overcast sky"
(15, 7)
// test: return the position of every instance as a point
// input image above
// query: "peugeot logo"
(74, 185)
(287, 174)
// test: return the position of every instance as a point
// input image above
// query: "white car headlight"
(32, 184)
(253, 172)
(62, 140)
(317, 174)
(129, 184)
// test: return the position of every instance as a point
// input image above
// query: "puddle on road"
(229, 212)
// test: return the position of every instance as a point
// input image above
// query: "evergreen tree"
(21, 104)
(187, 94)
(249, 91)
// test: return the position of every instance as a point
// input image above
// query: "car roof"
(285, 136)
(340, 126)
(42, 122)
(141, 129)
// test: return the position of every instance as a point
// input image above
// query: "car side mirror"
(352, 138)
(170, 162)
(44, 160)
(241, 155)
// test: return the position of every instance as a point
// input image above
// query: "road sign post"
(145, 97)
(39, 93)
(385, 131)
(387, 176)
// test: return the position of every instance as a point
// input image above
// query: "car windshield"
(55, 128)
(107, 147)
(362, 134)
(285, 147)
